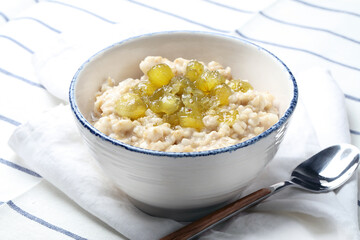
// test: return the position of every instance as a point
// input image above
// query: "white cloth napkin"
(62, 159)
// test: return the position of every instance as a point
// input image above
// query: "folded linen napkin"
(62, 159)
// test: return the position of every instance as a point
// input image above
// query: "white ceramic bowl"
(183, 186)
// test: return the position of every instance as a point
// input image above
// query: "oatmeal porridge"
(182, 106)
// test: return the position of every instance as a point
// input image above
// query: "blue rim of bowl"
(231, 148)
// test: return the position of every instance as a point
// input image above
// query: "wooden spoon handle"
(195, 228)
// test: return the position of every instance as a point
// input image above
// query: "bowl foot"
(181, 215)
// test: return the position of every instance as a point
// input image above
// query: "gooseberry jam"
(181, 99)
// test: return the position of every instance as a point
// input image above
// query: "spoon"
(323, 172)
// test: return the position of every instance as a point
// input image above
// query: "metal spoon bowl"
(323, 172)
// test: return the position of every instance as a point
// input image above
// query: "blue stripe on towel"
(12, 205)
(354, 132)
(83, 10)
(18, 43)
(38, 21)
(308, 27)
(328, 9)
(9, 120)
(301, 50)
(179, 17)
(4, 16)
(229, 7)
(21, 78)
(352, 98)
(18, 167)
